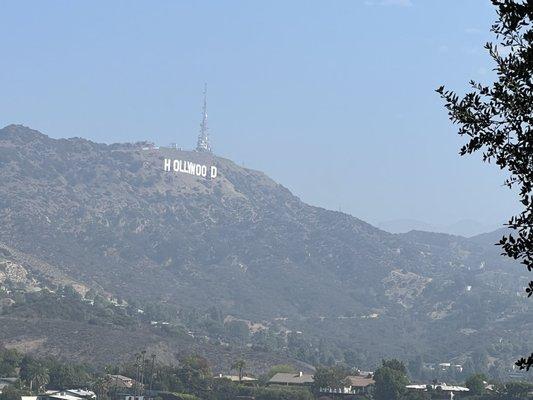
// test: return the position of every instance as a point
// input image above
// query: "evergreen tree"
(476, 384)
(391, 379)
(239, 366)
(497, 119)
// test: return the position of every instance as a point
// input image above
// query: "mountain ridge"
(111, 217)
(464, 227)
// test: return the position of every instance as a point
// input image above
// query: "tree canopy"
(476, 384)
(330, 377)
(391, 380)
(497, 120)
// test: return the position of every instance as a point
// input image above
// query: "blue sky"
(333, 99)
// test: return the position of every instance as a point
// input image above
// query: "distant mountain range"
(110, 220)
(465, 227)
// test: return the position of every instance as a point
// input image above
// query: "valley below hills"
(127, 255)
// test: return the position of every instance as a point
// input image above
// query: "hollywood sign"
(189, 167)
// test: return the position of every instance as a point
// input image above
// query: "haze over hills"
(108, 219)
(464, 227)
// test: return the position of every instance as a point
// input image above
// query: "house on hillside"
(361, 384)
(121, 381)
(82, 393)
(290, 379)
(62, 395)
(451, 390)
(357, 385)
(245, 380)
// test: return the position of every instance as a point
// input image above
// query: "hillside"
(110, 219)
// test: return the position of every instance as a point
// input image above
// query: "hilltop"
(109, 219)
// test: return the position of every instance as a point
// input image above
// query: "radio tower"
(203, 138)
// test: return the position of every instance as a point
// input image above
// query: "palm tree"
(33, 372)
(101, 386)
(239, 365)
(41, 377)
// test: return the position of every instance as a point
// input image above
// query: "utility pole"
(152, 372)
(137, 373)
(143, 353)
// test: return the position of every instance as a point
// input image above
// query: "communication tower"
(203, 144)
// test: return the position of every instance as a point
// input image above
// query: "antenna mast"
(203, 144)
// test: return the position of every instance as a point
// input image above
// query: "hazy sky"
(333, 99)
